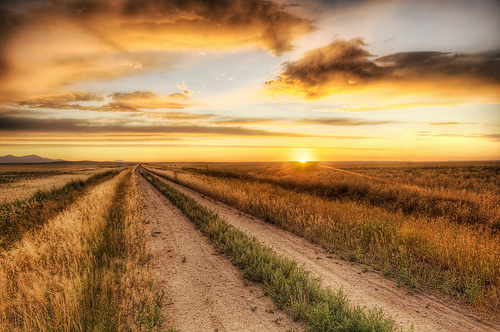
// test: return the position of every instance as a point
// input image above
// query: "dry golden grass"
(64, 277)
(422, 252)
(22, 181)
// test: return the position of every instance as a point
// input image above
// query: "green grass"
(18, 217)
(287, 283)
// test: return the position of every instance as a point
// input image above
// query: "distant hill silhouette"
(31, 159)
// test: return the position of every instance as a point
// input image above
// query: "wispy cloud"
(343, 122)
(122, 102)
(452, 123)
(483, 136)
(26, 124)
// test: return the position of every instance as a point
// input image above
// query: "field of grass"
(429, 226)
(21, 181)
(85, 268)
(285, 281)
(73, 257)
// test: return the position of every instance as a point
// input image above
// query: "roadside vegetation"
(85, 269)
(441, 253)
(18, 217)
(287, 283)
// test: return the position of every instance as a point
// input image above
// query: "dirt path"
(205, 291)
(369, 289)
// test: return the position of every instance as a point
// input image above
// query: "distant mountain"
(31, 159)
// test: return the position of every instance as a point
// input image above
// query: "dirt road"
(369, 289)
(205, 291)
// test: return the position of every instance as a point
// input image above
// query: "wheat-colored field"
(21, 181)
(429, 226)
(85, 269)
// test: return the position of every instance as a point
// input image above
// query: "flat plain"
(351, 246)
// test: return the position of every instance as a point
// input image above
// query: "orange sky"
(248, 80)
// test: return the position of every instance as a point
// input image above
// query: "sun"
(303, 161)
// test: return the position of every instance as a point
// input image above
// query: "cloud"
(344, 66)
(488, 137)
(178, 115)
(59, 42)
(59, 101)
(343, 122)
(123, 102)
(149, 100)
(236, 22)
(389, 107)
(305, 121)
(134, 95)
(483, 66)
(452, 123)
(20, 124)
(337, 65)
(246, 121)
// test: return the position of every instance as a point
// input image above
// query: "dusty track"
(205, 292)
(370, 289)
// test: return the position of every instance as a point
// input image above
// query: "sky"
(250, 80)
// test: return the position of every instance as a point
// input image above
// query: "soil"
(204, 291)
(367, 289)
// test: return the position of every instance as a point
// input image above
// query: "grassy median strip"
(286, 282)
(18, 217)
